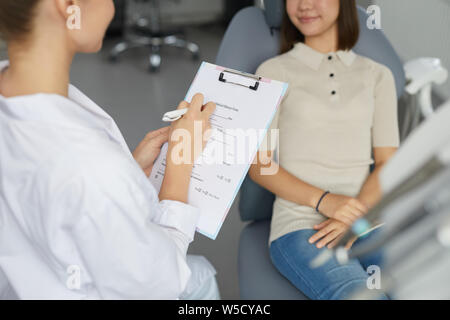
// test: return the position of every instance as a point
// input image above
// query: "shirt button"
(333, 92)
(330, 57)
(331, 75)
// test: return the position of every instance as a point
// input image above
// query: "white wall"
(193, 10)
(419, 28)
(187, 11)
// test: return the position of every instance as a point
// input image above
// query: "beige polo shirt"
(337, 108)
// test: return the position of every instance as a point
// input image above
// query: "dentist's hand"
(184, 138)
(149, 148)
(181, 153)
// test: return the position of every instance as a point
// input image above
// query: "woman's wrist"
(364, 201)
(315, 197)
(320, 201)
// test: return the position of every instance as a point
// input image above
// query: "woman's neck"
(325, 42)
(41, 68)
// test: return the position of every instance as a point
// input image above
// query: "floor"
(137, 99)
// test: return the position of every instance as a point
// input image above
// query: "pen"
(174, 115)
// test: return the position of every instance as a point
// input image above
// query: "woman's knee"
(329, 281)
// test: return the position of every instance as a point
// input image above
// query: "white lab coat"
(78, 217)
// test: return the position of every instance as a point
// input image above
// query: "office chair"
(146, 31)
(251, 38)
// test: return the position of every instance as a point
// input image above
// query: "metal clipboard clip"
(242, 74)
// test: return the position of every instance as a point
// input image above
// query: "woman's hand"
(329, 233)
(343, 208)
(149, 149)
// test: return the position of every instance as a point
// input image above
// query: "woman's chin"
(92, 49)
(311, 31)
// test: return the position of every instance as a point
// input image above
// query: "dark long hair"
(15, 18)
(348, 28)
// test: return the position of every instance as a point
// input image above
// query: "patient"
(339, 109)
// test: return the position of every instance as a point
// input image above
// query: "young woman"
(340, 107)
(79, 218)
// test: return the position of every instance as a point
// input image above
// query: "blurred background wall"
(415, 27)
(418, 28)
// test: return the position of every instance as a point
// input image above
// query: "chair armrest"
(421, 74)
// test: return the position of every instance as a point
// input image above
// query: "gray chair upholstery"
(248, 41)
(258, 278)
(251, 38)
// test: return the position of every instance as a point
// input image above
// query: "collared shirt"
(338, 107)
(78, 217)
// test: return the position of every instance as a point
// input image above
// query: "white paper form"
(239, 125)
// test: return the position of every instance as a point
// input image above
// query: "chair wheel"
(154, 62)
(154, 69)
(113, 58)
(196, 56)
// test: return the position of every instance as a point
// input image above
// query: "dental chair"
(253, 37)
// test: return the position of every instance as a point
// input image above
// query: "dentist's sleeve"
(130, 245)
(178, 220)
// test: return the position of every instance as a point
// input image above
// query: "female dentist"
(79, 218)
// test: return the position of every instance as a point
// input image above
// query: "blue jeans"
(292, 254)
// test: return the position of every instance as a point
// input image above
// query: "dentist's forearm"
(175, 185)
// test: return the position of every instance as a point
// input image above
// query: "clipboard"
(246, 105)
